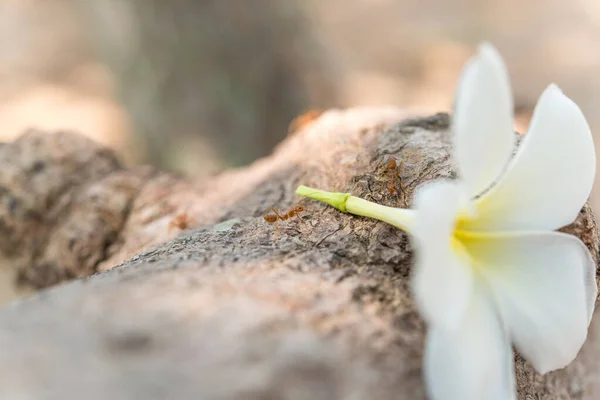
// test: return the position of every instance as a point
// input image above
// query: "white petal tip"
(487, 49)
(553, 88)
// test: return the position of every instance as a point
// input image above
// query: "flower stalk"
(345, 202)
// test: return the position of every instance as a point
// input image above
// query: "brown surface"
(234, 309)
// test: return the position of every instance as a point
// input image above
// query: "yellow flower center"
(463, 240)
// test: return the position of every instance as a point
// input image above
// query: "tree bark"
(234, 308)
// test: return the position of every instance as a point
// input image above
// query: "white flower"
(490, 270)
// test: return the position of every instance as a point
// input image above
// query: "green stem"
(345, 202)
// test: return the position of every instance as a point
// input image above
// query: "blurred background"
(197, 86)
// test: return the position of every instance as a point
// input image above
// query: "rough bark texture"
(233, 309)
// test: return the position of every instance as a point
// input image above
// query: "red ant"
(303, 120)
(181, 221)
(392, 170)
(273, 218)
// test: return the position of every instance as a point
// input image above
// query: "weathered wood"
(233, 309)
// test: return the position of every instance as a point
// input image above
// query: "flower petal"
(551, 176)
(482, 123)
(443, 277)
(473, 362)
(541, 282)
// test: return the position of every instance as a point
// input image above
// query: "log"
(234, 307)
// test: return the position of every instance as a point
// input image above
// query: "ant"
(392, 170)
(273, 218)
(181, 221)
(303, 120)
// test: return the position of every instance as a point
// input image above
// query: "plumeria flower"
(490, 269)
